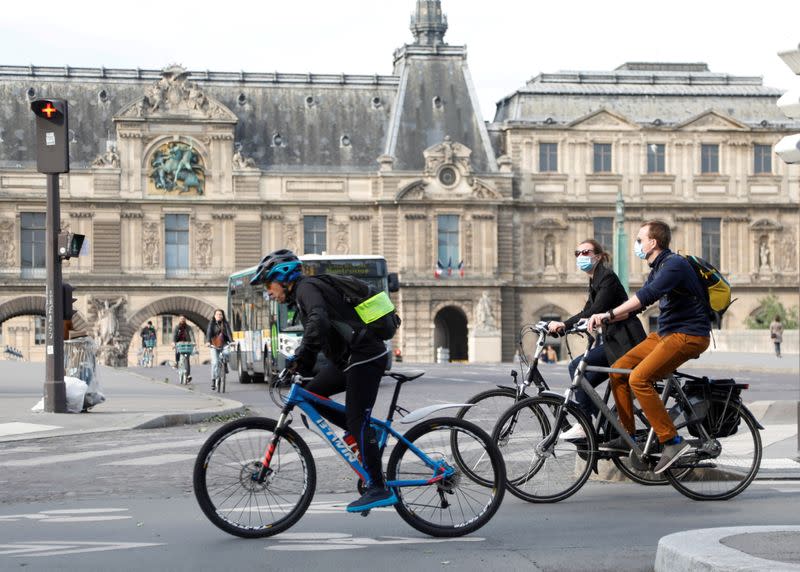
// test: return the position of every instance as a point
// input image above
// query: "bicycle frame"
(306, 400)
(579, 380)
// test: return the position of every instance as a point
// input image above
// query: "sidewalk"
(730, 549)
(132, 402)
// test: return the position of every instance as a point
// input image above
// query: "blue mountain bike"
(256, 477)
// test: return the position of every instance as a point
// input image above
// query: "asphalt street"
(124, 500)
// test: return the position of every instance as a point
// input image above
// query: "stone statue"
(107, 320)
(241, 162)
(109, 159)
(342, 236)
(549, 252)
(763, 254)
(483, 313)
(789, 251)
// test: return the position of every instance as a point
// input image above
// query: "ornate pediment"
(431, 189)
(447, 153)
(175, 96)
(604, 120)
(549, 224)
(482, 190)
(711, 120)
(765, 225)
(412, 192)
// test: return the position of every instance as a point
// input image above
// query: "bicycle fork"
(264, 470)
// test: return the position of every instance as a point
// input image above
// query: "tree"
(769, 308)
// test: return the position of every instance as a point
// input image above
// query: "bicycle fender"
(423, 412)
(551, 394)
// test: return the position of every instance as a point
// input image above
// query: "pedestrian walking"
(776, 334)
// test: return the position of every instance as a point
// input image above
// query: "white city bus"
(264, 330)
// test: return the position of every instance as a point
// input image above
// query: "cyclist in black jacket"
(605, 292)
(356, 360)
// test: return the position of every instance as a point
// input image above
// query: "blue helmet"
(280, 266)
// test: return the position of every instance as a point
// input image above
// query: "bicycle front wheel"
(487, 408)
(458, 504)
(536, 471)
(723, 467)
(226, 484)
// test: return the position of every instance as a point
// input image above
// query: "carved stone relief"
(290, 232)
(342, 239)
(109, 159)
(8, 255)
(151, 244)
(204, 243)
(789, 252)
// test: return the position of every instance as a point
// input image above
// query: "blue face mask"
(584, 263)
(638, 251)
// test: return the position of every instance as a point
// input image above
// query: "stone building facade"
(179, 178)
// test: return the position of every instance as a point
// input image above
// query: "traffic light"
(52, 128)
(68, 300)
(69, 245)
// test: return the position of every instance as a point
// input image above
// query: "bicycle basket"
(184, 348)
(721, 419)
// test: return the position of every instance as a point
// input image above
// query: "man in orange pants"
(684, 326)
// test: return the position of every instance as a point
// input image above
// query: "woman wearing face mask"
(605, 292)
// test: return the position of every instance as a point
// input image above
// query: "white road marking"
(17, 428)
(153, 460)
(56, 548)
(51, 460)
(336, 541)
(780, 464)
(69, 515)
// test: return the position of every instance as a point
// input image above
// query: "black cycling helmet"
(279, 266)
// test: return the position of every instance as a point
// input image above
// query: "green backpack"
(716, 286)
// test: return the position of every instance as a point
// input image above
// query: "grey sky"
(509, 41)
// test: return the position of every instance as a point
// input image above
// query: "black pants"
(361, 383)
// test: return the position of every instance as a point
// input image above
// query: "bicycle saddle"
(404, 377)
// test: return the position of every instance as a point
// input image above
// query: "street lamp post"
(621, 243)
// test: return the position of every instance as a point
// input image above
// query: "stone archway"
(196, 311)
(450, 331)
(34, 306)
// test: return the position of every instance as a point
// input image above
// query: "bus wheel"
(244, 377)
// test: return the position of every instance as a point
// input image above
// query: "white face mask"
(638, 250)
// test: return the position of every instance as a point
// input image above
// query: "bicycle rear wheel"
(725, 466)
(458, 504)
(228, 492)
(535, 472)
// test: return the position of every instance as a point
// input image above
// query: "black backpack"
(374, 309)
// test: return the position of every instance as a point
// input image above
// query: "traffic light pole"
(55, 390)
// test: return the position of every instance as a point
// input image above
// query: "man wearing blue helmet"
(356, 359)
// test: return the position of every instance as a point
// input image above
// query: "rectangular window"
(655, 158)
(709, 159)
(709, 231)
(602, 157)
(447, 251)
(604, 232)
(39, 330)
(315, 234)
(548, 157)
(32, 244)
(166, 329)
(176, 237)
(762, 159)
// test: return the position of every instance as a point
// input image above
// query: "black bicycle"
(725, 452)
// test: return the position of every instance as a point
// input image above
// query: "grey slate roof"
(358, 107)
(643, 93)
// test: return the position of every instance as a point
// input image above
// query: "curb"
(702, 551)
(174, 419)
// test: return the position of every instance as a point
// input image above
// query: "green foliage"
(768, 309)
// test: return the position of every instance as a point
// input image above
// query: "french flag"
(439, 269)
(461, 268)
(450, 267)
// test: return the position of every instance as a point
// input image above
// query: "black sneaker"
(671, 453)
(188, 378)
(618, 445)
(213, 386)
(373, 497)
